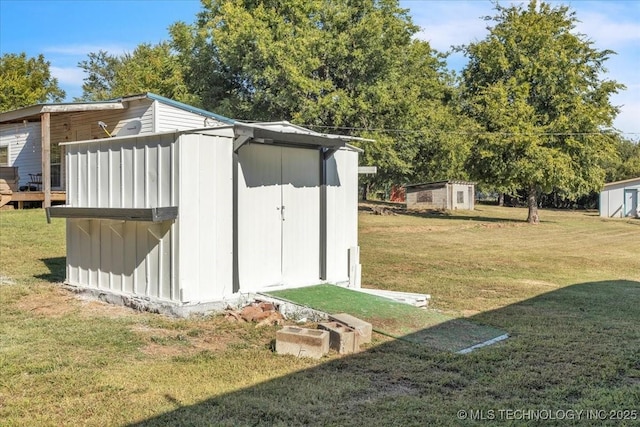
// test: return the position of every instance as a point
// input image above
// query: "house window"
(460, 196)
(4, 156)
(56, 165)
(425, 196)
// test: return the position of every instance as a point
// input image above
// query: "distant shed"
(620, 199)
(448, 195)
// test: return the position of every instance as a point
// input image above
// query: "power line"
(417, 131)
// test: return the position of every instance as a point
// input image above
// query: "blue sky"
(65, 31)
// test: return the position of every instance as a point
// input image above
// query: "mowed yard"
(567, 291)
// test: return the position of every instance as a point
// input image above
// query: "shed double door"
(278, 216)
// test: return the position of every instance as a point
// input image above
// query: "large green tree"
(338, 66)
(537, 88)
(26, 81)
(149, 68)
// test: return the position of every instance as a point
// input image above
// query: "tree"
(26, 81)
(149, 68)
(536, 88)
(627, 164)
(334, 66)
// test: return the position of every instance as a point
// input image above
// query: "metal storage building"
(447, 195)
(620, 199)
(187, 218)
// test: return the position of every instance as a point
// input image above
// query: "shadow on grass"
(575, 348)
(57, 269)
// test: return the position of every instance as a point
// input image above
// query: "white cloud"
(627, 120)
(85, 49)
(608, 32)
(446, 23)
(68, 76)
(443, 35)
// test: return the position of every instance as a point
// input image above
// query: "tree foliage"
(535, 86)
(26, 81)
(149, 68)
(347, 67)
(626, 164)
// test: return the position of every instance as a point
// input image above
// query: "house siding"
(24, 148)
(171, 118)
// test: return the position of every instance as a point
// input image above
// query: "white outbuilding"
(187, 219)
(446, 195)
(620, 199)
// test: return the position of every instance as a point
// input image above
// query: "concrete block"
(302, 342)
(362, 328)
(342, 338)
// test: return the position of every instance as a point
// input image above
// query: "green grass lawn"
(567, 291)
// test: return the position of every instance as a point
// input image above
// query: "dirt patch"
(169, 342)
(53, 303)
(503, 224)
(92, 307)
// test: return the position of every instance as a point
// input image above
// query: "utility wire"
(385, 130)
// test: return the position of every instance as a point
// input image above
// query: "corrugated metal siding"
(342, 212)
(193, 172)
(122, 173)
(171, 118)
(205, 222)
(25, 149)
(122, 256)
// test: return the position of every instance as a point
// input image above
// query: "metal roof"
(632, 181)
(275, 133)
(436, 183)
(34, 111)
(285, 133)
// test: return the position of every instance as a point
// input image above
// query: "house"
(620, 199)
(32, 138)
(185, 219)
(447, 195)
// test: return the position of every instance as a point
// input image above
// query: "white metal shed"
(199, 216)
(620, 199)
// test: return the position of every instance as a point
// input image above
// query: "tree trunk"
(500, 199)
(365, 190)
(532, 200)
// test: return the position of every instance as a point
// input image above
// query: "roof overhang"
(33, 112)
(623, 183)
(286, 134)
